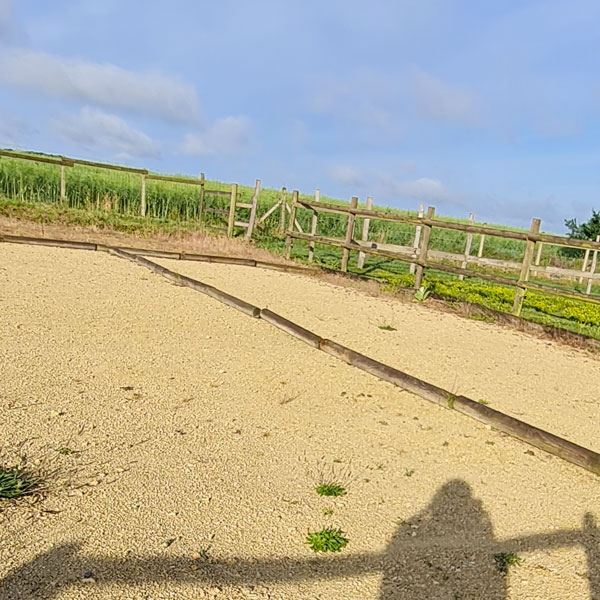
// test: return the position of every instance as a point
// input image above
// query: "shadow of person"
(44, 576)
(445, 552)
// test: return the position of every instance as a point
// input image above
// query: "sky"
(468, 106)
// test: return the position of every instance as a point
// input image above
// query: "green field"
(111, 199)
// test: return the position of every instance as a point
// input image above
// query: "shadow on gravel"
(445, 552)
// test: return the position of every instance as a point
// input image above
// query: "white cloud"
(93, 128)
(385, 186)
(102, 84)
(228, 136)
(444, 102)
(345, 175)
(424, 188)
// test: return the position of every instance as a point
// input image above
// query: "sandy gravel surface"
(196, 426)
(551, 386)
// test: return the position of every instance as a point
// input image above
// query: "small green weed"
(422, 293)
(331, 489)
(484, 318)
(65, 451)
(504, 560)
(327, 540)
(409, 473)
(484, 402)
(15, 483)
(203, 553)
(387, 328)
(328, 511)
(451, 400)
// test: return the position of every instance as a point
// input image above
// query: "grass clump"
(327, 540)
(331, 489)
(387, 328)
(16, 483)
(505, 560)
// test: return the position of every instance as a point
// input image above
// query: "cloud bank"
(93, 128)
(102, 84)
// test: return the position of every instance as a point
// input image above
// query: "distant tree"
(582, 231)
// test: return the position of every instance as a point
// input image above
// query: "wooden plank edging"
(177, 278)
(168, 254)
(553, 444)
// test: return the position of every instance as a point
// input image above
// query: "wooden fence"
(229, 213)
(420, 256)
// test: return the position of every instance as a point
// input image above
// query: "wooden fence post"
(143, 202)
(481, 243)
(423, 248)
(232, 203)
(588, 290)
(201, 201)
(585, 263)
(525, 268)
(349, 234)
(365, 233)
(283, 207)
(63, 195)
(313, 227)
(465, 263)
(417, 238)
(252, 218)
(288, 239)
(538, 256)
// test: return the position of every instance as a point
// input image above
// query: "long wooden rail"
(420, 256)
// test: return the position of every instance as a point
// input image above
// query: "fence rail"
(420, 255)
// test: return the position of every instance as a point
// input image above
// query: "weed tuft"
(387, 328)
(327, 540)
(505, 560)
(331, 489)
(422, 293)
(16, 483)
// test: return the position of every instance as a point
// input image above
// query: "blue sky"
(490, 107)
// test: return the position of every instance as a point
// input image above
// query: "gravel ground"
(197, 428)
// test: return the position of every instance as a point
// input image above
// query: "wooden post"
(525, 268)
(423, 248)
(588, 290)
(585, 263)
(313, 227)
(538, 256)
(417, 238)
(143, 202)
(288, 239)
(253, 211)
(282, 213)
(465, 263)
(481, 244)
(349, 234)
(201, 201)
(232, 202)
(63, 195)
(365, 233)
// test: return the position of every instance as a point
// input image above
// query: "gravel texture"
(200, 435)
